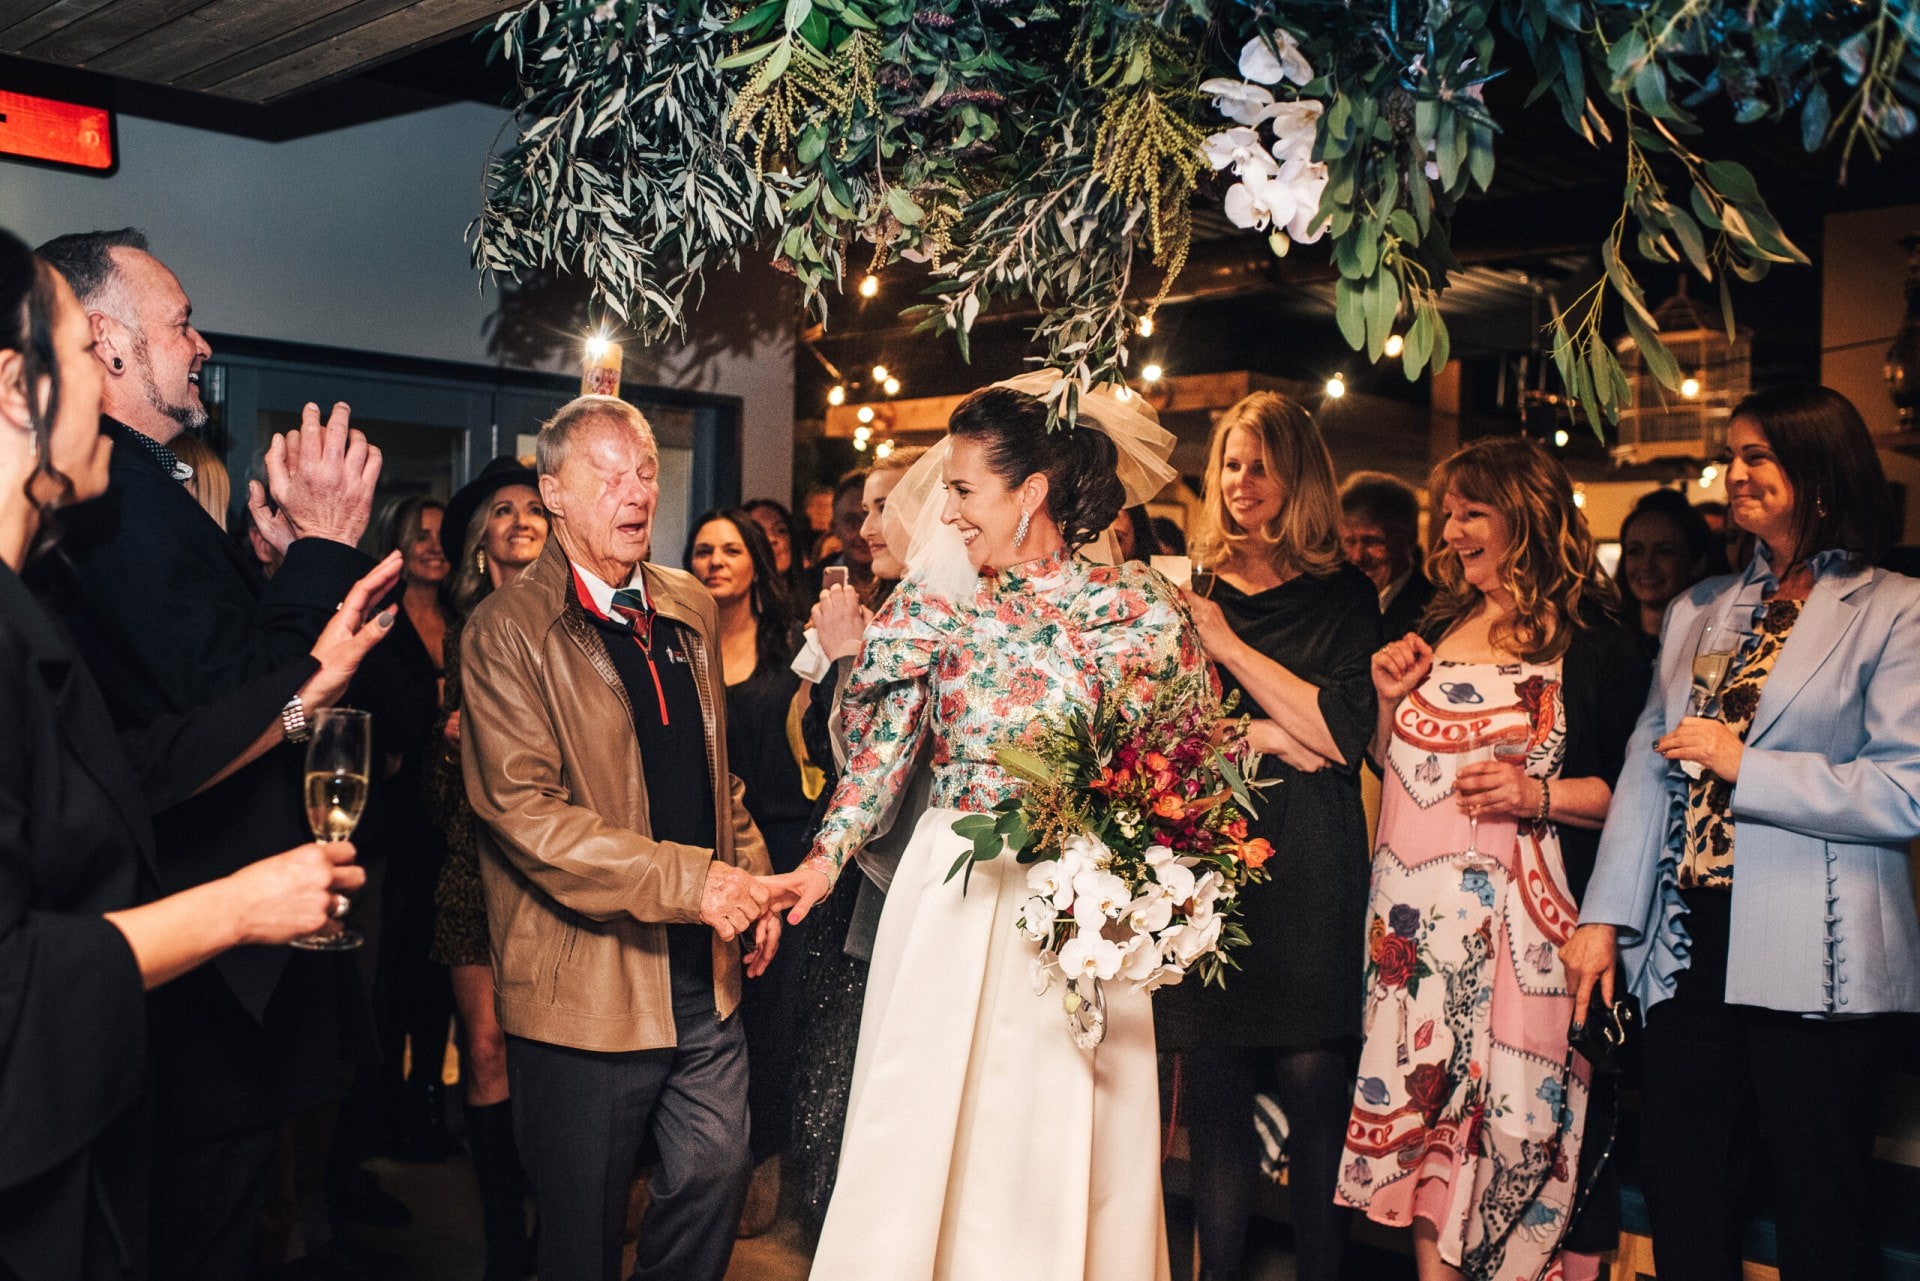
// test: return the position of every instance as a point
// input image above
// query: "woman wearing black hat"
(494, 528)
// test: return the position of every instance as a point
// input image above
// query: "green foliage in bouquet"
(1043, 149)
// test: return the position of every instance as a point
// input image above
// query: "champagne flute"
(1478, 749)
(1712, 663)
(338, 758)
(1203, 580)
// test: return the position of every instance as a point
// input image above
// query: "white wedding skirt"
(981, 1144)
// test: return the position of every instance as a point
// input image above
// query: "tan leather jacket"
(577, 890)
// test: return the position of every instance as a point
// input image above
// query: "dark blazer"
(170, 614)
(75, 843)
(1402, 614)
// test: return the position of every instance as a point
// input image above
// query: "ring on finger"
(340, 907)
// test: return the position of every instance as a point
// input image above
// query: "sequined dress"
(981, 1144)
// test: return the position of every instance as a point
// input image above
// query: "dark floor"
(443, 1241)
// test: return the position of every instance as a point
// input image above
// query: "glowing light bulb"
(1707, 475)
(836, 395)
(869, 286)
(1560, 438)
(1690, 387)
(1336, 387)
(1151, 373)
(1705, 483)
(882, 449)
(860, 445)
(1394, 345)
(880, 374)
(596, 347)
(891, 386)
(1579, 498)
(862, 432)
(864, 413)
(1146, 326)
(1123, 393)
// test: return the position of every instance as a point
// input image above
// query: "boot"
(423, 1130)
(503, 1191)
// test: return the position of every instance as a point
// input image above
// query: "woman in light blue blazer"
(1763, 913)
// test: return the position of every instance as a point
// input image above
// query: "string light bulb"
(860, 446)
(1707, 475)
(880, 374)
(891, 386)
(1151, 373)
(1579, 497)
(837, 394)
(1146, 326)
(1394, 345)
(1336, 387)
(869, 286)
(1690, 387)
(864, 413)
(863, 432)
(1560, 438)
(882, 449)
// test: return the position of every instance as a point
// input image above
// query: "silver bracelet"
(293, 720)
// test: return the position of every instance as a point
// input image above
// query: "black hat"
(473, 495)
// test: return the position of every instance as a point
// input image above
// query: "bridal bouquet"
(1135, 830)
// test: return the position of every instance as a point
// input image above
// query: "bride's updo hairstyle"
(1084, 494)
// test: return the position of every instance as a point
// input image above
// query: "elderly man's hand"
(732, 901)
(323, 477)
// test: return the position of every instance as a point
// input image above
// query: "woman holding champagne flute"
(1468, 1112)
(1760, 897)
(83, 934)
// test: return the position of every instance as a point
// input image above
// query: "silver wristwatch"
(293, 719)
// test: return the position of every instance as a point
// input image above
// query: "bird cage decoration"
(1691, 420)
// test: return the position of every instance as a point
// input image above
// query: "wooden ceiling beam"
(24, 21)
(400, 32)
(316, 28)
(215, 32)
(85, 38)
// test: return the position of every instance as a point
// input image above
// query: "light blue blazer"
(1827, 799)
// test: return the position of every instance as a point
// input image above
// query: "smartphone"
(833, 576)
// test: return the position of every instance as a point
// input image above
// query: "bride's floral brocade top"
(1034, 642)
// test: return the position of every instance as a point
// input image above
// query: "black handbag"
(1603, 1037)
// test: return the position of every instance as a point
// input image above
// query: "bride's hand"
(798, 890)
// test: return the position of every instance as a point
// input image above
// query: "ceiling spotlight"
(1336, 387)
(864, 413)
(880, 374)
(1151, 373)
(891, 386)
(1560, 438)
(1690, 387)
(869, 286)
(836, 395)
(882, 449)
(1146, 326)
(1395, 344)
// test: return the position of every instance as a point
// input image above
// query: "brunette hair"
(1840, 494)
(766, 595)
(1704, 548)
(210, 484)
(1549, 564)
(26, 326)
(1383, 500)
(404, 520)
(1084, 493)
(1305, 536)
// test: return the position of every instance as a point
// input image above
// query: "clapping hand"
(351, 634)
(322, 477)
(840, 621)
(1399, 667)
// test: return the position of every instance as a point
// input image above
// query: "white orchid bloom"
(1052, 881)
(1150, 913)
(1307, 182)
(1206, 893)
(1238, 100)
(1240, 148)
(1166, 976)
(1283, 61)
(1295, 126)
(1090, 956)
(1141, 959)
(1176, 879)
(1159, 855)
(1083, 852)
(1254, 202)
(1037, 916)
(1197, 940)
(1041, 973)
(1107, 892)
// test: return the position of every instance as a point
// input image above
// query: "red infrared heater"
(50, 131)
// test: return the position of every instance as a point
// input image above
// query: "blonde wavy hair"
(1549, 565)
(1305, 536)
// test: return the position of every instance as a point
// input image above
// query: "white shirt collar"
(1393, 588)
(601, 594)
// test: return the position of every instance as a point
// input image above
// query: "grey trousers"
(581, 1118)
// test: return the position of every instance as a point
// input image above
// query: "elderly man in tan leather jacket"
(619, 867)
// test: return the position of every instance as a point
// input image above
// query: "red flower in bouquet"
(1396, 958)
(1168, 805)
(1256, 852)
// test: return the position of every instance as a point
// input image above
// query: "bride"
(981, 1144)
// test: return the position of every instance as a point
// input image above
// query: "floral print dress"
(1465, 1113)
(981, 1144)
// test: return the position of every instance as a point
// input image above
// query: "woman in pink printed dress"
(1510, 713)
(981, 1143)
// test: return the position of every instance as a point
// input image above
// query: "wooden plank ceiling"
(253, 50)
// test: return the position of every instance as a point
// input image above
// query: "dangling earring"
(1020, 530)
(1820, 507)
(480, 559)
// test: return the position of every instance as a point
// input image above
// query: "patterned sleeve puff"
(1149, 638)
(884, 711)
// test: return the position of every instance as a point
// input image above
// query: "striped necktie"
(631, 604)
